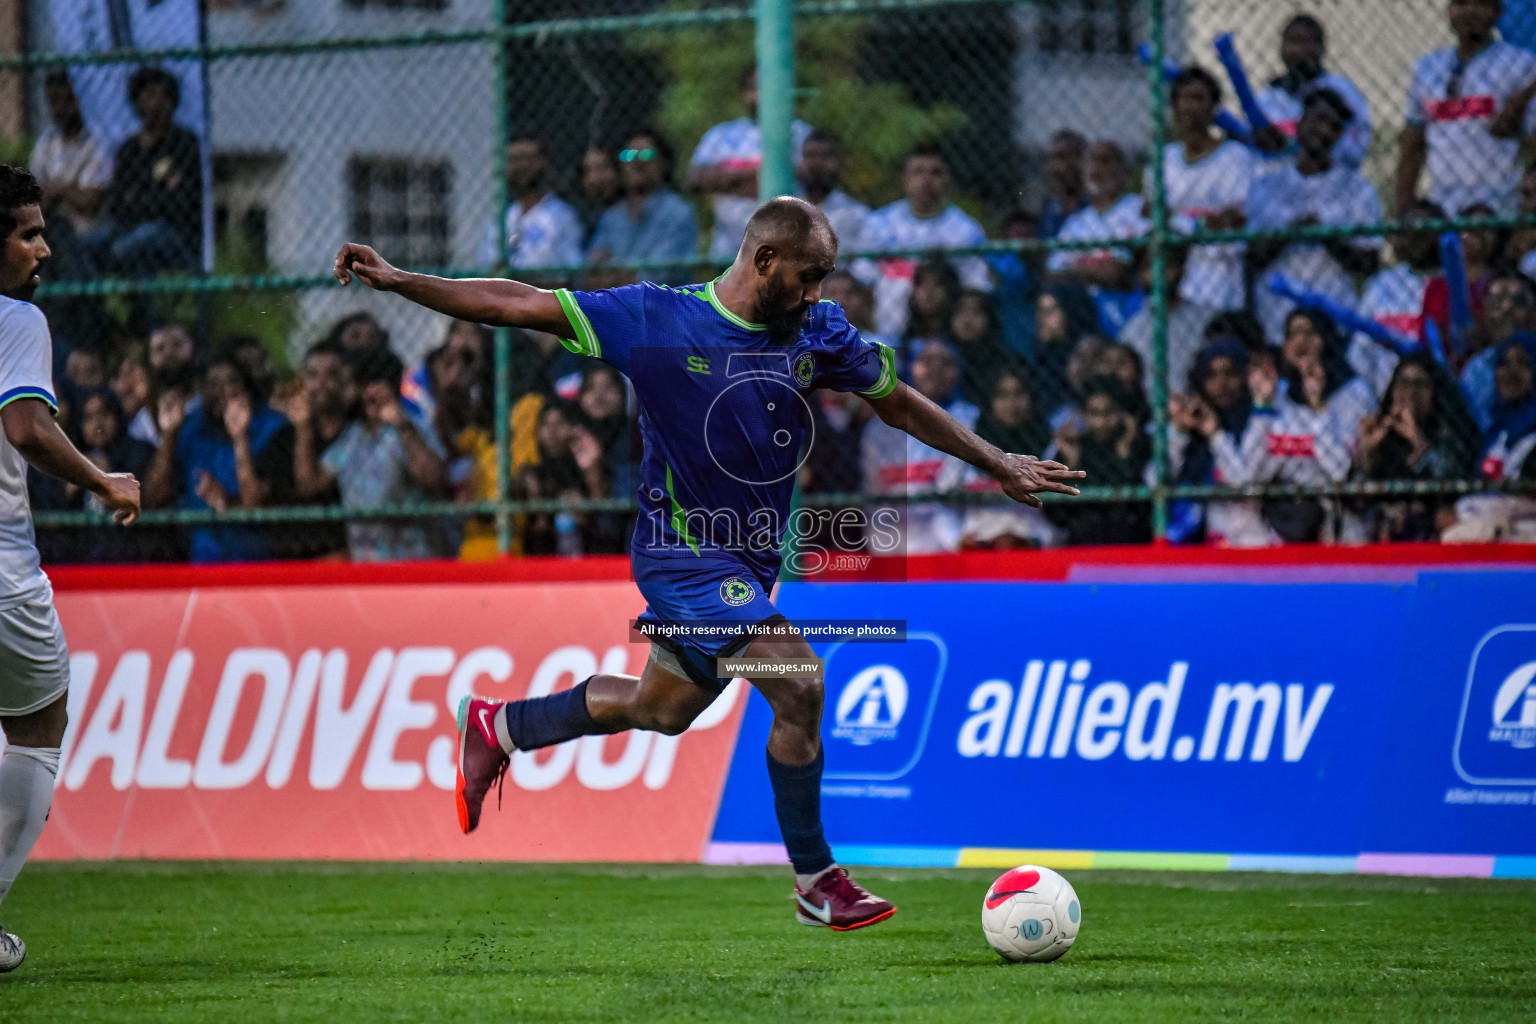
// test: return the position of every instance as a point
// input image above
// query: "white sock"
(806, 881)
(503, 736)
(26, 793)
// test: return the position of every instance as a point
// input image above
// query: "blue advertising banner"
(1308, 720)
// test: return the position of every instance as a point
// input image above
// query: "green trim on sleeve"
(585, 342)
(887, 380)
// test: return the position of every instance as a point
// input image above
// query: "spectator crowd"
(1315, 360)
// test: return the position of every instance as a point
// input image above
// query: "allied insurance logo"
(1496, 737)
(871, 705)
(887, 693)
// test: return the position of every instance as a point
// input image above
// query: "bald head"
(791, 227)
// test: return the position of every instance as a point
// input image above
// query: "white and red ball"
(1031, 914)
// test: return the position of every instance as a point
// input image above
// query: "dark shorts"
(699, 666)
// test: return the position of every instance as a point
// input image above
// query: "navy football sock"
(797, 801)
(545, 721)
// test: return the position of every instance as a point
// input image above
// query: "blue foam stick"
(1346, 318)
(1227, 54)
(1432, 337)
(1227, 121)
(1454, 260)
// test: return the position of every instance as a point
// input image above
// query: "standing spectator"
(1064, 190)
(153, 213)
(542, 229)
(73, 171)
(104, 440)
(821, 179)
(1394, 296)
(1113, 450)
(652, 223)
(1468, 109)
(1422, 431)
(229, 452)
(1303, 46)
(925, 219)
(1188, 320)
(1306, 190)
(1207, 181)
(381, 458)
(725, 165)
(897, 464)
(319, 412)
(600, 185)
(1112, 211)
(1509, 310)
(1209, 422)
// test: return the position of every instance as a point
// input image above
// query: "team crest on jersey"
(736, 592)
(805, 369)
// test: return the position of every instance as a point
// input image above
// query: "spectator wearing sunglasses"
(725, 166)
(1468, 107)
(651, 224)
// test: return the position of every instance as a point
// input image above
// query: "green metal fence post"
(502, 347)
(776, 96)
(1158, 253)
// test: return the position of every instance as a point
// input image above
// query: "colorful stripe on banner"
(1434, 865)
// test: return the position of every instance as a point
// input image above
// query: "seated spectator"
(1206, 180)
(1511, 433)
(251, 352)
(974, 331)
(821, 178)
(1013, 420)
(1113, 449)
(857, 300)
(1064, 314)
(133, 386)
(1065, 191)
(358, 334)
(925, 219)
(601, 414)
(104, 440)
(1480, 254)
(1211, 418)
(381, 458)
(1422, 431)
(1394, 296)
(319, 412)
(172, 369)
(725, 165)
(471, 344)
(894, 463)
(1509, 310)
(1112, 211)
(542, 229)
(599, 186)
(1120, 361)
(1306, 190)
(228, 452)
(1521, 244)
(84, 370)
(569, 468)
(1016, 275)
(1080, 366)
(650, 224)
(1187, 320)
(152, 217)
(1468, 110)
(1303, 46)
(1307, 413)
(935, 289)
(74, 173)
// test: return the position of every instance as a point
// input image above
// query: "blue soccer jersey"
(724, 417)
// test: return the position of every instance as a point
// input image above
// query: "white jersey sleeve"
(26, 355)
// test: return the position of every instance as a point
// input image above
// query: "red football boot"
(481, 759)
(838, 902)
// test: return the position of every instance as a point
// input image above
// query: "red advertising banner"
(318, 722)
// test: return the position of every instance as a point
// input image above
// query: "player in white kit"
(34, 661)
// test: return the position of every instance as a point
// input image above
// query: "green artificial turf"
(361, 943)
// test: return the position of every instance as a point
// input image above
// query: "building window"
(400, 207)
(397, 5)
(1088, 26)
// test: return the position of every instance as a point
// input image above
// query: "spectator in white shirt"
(925, 219)
(1468, 107)
(1187, 321)
(725, 166)
(1064, 186)
(1207, 181)
(1303, 45)
(1394, 296)
(821, 178)
(72, 169)
(543, 230)
(1112, 211)
(1309, 189)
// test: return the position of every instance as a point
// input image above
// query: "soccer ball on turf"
(1031, 914)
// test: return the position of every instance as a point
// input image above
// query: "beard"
(783, 313)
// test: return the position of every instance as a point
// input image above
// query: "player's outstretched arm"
(1022, 476)
(30, 428)
(483, 300)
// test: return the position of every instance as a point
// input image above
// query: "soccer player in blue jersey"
(719, 370)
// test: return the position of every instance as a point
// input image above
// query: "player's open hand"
(367, 266)
(1025, 476)
(120, 493)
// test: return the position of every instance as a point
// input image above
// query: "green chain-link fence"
(1046, 277)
